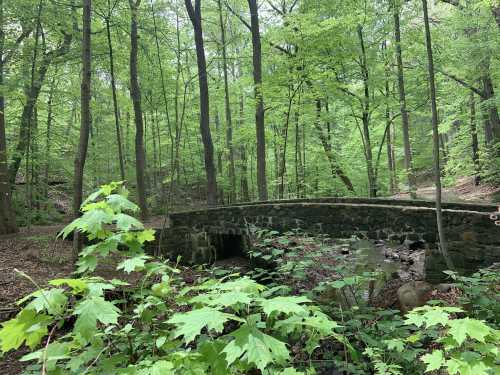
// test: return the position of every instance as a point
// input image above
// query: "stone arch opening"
(229, 245)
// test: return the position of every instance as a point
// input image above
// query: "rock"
(413, 294)
(444, 287)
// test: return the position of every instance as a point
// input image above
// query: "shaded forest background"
(223, 101)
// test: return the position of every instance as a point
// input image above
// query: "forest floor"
(464, 190)
(37, 252)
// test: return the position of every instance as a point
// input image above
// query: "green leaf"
(228, 299)
(119, 203)
(146, 236)
(159, 368)
(27, 326)
(94, 221)
(78, 286)
(434, 360)
(191, 323)
(133, 264)
(241, 284)
(255, 347)
(52, 301)
(290, 371)
(90, 311)
(127, 222)
(286, 305)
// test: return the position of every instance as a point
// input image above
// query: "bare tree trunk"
(259, 99)
(372, 183)
(7, 216)
(327, 147)
(81, 155)
(48, 139)
(135, 93)
(494, 118)
(227, 104)
(435, 138)
(402, 104)
(113, 91)
(195, 17)
(243, 160)
(474, 140)
(164, 92)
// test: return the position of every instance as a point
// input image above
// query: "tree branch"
(237, 15)
(462, 82)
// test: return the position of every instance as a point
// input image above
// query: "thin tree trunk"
(327, 147)
(259, 100)
(402, 104)
(48, 139)
(435, 138)
(474, 140)
(372, 183)
(81, 155)
(494, 118)
(7, 216)
(135, 93)
(113, 91)
(164, 90)
(243, 160)
(195, 17)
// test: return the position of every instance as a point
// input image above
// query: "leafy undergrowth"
(233, 324)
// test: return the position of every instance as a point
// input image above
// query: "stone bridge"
(201, 235)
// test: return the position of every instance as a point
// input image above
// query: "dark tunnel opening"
(229, 245)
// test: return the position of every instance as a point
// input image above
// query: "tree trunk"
(259, 101)
(227, 104)
(372, 183)
(135, 93)
(113, 91)
(48, 142)
(195, 17)
(435, 139)
(85, 120)
(7, 217)
(494, 118)
(402, 104)
(474, 140)
(327, 147)
(30, 102)
(164, 93)
(243, 160)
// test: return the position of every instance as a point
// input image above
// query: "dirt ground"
(463, 191)
(37, 252)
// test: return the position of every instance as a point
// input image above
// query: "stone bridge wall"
(474, 239)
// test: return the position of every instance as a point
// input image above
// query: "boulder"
(413, 294)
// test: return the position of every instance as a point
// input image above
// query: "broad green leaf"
(223, 299)
(190, 324)
(90, 311)
(146, 236)
(51, 300)
(255, 347)
(133, 264)
(27, 326)
(286, 305)
(475, 329)
(94, 221)
(119, 203)
(434, 360)
(127, 222)
(78, 286)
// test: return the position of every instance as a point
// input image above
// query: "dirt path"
(463, 191)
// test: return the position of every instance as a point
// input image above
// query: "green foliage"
(161, 326)
(468, 346)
